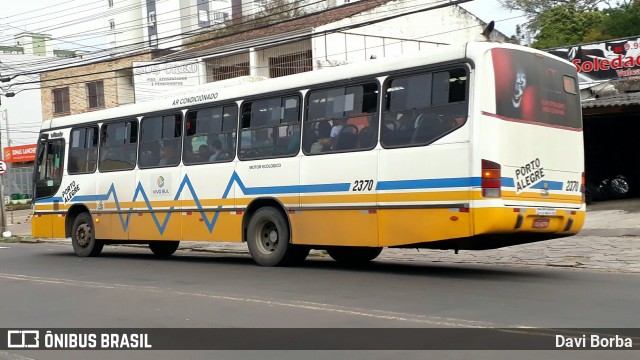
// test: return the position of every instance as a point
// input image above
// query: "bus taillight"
(491, 179)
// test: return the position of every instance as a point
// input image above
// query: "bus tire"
(164, 248)
(83, 237)
(269, 239)
(353, 255)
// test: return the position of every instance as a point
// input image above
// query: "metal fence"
(18, 180)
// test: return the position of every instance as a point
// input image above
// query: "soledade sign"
(23, 153)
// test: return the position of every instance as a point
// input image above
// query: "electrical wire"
(384, 18)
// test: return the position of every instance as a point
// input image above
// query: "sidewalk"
(610, 241)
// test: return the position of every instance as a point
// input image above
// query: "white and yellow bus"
(477, 146)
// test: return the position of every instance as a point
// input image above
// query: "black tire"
(164, 248)
(269, 239)
(354, 255)
(83, 237)
(619, 187)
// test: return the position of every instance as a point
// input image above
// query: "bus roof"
(211, 92)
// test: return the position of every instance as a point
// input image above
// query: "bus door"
(47, 181)
(424, 185)
(158, 179)
(269, 144)
(338, 173)
(116, 183)
(208, 194)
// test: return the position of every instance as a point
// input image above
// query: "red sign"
(23, 153)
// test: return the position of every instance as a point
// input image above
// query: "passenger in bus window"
(189, 156)
(216, 147)
(323, 143)
(150, 156)
(366, 137)
(203, 153)
(171, 154)
(338, 124)
(294, 141)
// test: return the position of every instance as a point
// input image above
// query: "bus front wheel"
(353, 255)
(268, 239)
(164, 248)
(83, 237)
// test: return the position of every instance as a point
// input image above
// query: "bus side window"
(270, 128)
(210, 135)
(350, 114)
(421, 108)
(118, 146)
(160, 141)
(83, 151)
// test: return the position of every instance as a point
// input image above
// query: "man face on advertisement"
(519, 86)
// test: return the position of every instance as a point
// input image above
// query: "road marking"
(301, 305)
(4, 247)
(10, 356)
(371, 313)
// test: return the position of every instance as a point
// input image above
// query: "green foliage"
(554, 23)
(622, 21)
(531, 8)
(564, 25)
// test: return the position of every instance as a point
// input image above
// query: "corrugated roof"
(613, 101)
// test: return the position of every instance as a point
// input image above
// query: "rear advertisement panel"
(533, 88)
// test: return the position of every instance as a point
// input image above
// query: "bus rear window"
(536, 88)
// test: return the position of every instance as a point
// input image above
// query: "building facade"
(354, 32)
(89, 87)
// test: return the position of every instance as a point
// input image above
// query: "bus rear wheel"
(353, 255)
(164, 248)
(83, 237)
(269, 239)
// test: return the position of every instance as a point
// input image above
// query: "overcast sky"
(66, 20)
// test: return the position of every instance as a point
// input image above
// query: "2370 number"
(362, 185)
(572, 186)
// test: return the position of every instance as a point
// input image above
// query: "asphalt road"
(46, 285)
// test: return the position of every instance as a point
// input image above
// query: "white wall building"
(160, 24)
(355, 32)
(164, 24)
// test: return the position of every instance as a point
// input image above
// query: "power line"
(84, 62)
(143, 44)
(169, 39)
(304, 36)
(137, 20)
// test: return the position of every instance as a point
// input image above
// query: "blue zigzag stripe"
(186, 182)
(267, 190)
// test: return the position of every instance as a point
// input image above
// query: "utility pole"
(3, 223)
(5, 116)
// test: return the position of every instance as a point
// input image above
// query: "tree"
(621, 21)
(564, 25)
(532, 8)
(555, 23)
